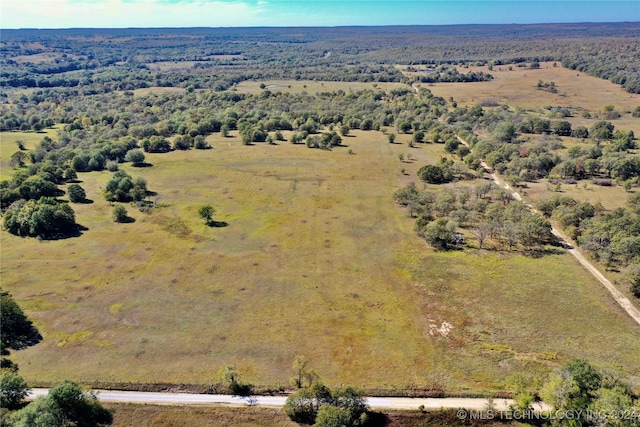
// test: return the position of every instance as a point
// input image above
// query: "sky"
(249, 13)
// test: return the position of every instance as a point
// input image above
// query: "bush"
(13, 390)
(119, 213)
(435, 174)
(76, 193)
(134, 156)
(122, 188)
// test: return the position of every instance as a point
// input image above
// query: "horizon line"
(321, 26)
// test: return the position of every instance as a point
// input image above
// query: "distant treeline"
(223, 57)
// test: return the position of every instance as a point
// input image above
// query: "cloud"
(130, 13)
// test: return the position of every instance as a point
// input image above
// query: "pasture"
(315, 259)
(518, 89)
(312, 86)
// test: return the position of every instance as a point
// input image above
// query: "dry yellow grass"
(316, 260)
(311, 86)
(517, 88)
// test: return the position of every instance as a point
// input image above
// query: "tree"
(434, 174)
(206, 212)
(45, 217)
(65, 406)
(119, 214)
(134, 156)
(418, 136)
(231, 377)
(505, 132)
(76, 193)
(438, 233)
(17, 331)
(572, 387)
(122, 188)
(301, 406)
(17, 159)
(13, 390)
(601, 130)
(333, 416)
(391, 137)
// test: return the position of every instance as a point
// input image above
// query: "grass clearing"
(517, 88)
(312, 86)
(8, 146)
(126, 415)
(316, 260)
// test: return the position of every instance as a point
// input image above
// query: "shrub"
(134, 156)
(13, 390)
(435, 174)
(119, 213)
(76, 193)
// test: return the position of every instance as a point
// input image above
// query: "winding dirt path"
(618, 296)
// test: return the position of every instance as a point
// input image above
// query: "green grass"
(316, 260)
(8, 146)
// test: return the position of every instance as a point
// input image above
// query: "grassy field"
(8, 146)
(171, 416)
(311, 86)
(315, 259)
(517, 88)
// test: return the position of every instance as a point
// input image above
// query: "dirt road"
(618, 296)
(114, 396)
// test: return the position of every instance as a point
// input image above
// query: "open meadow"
(311, 256)
(517, 87)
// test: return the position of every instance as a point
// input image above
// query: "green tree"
(122, 188)
(572, 387)
(301, 406)
(17, 159)
(45, 217)
(76, 193)
(66, 405)
(505, 132)
(134, 156)
(418, 136)
(119, 214)
(13, 390)
(391, 137)
(17, 331)
(601, 130)
(206, 212)
(333, 416)
(434, 174)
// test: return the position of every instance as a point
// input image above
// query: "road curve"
(188, 399)
(618, 296)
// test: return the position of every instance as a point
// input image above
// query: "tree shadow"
(376, 419)
(85, 202)
(217, 224)
(142, 165)
(127, 220)
(74, 232)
